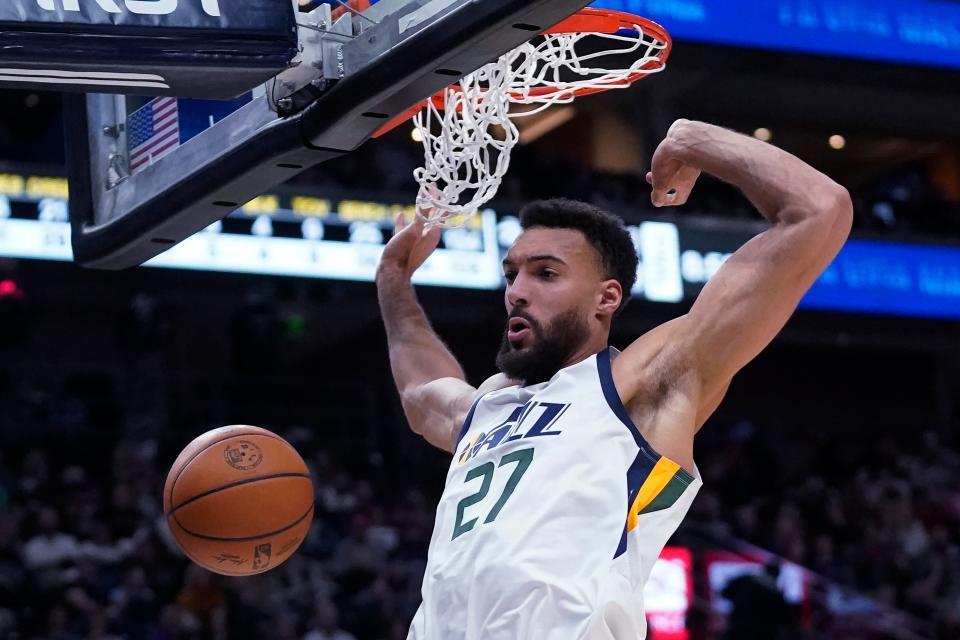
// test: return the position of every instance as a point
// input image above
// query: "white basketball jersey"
(554, 512)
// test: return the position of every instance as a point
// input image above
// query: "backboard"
(354, 70)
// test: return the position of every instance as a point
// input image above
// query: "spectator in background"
(203, 598)
(949, 626)
(59, 625)
(133, 604)
(760, 611)
(12, 573)
(326, 624)
(174, 624)
(283, 626)
(245, 605)
(50, 546)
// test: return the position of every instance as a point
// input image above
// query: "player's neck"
(591, 347)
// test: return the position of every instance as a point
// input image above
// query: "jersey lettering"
(530, 420)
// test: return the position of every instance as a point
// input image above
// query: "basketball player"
(573, 466)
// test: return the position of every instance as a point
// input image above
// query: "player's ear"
(611, 295)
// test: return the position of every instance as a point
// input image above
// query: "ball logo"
(261, 556)
(243, 455)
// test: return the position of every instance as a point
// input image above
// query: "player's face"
(552, 285)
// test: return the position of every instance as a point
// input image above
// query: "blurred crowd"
(881, 517)
(84, 553)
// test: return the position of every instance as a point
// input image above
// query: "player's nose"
(517, 294)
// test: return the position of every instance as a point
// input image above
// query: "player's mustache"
(523, 315)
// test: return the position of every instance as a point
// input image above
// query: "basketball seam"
(235, 483)
(245, 538)
(186, 464)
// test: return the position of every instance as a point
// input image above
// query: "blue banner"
(923, 32)
(890, 279)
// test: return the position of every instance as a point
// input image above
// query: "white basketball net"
(467, 143)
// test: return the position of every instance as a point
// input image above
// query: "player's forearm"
(781, 186)
(417, 355)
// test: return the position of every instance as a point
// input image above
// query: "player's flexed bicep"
(755, 292)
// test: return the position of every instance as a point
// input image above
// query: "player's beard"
(553, 345)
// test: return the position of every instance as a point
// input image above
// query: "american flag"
(153, 131)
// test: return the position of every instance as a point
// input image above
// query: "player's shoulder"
(495, 383)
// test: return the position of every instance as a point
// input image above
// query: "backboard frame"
(414, 49)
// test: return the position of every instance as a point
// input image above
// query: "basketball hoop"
(468, 129)
(647, 42)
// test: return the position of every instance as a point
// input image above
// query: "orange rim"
(587, 20)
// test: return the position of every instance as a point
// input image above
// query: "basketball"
(239, 500)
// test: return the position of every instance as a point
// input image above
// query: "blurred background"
(831, 505)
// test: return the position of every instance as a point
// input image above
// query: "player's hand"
(672, 179)
(411, 245)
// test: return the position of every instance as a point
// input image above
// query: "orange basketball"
(239, 500)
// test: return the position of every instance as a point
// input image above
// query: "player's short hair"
(604, 231)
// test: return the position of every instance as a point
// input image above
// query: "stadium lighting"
(416, 136)
(763, 134)
(837, 142)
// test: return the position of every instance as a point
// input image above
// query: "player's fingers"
(425, 209)
(672, 194)
(425, 214)
(677, 190)
(686, 180)
(432, 236)
(664, 187)
(677, 198)
(417, 224)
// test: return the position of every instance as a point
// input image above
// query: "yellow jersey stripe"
(659, 477)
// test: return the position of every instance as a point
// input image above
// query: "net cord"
(469, 139)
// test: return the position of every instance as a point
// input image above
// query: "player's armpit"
(653, 366)
(658, 385)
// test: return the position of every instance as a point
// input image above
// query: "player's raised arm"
(755, 292)
(431, 382)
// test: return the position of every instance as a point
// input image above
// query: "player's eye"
(510, 276)
(548, 274)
